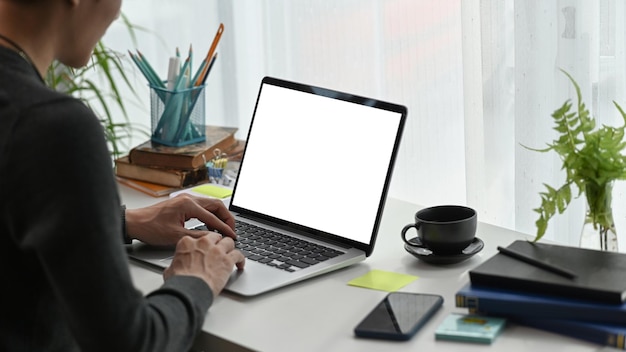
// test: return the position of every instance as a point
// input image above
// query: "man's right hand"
(210, 257)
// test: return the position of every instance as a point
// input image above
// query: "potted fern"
(593, 160)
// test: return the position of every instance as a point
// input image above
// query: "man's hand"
(163, 224)
(210, 257)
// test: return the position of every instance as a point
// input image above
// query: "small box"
(178, 117)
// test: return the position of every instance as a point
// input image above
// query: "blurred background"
(480, 78)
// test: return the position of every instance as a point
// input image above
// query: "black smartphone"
(399, 316)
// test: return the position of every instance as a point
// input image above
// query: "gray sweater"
(66, 281)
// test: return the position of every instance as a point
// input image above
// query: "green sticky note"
(383, 280)
(213, 191)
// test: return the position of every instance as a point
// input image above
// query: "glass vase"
(598, 230)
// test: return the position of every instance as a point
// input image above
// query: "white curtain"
(480, 79)
(524, 45)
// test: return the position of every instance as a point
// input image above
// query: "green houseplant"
(592, 160)
(99, 84)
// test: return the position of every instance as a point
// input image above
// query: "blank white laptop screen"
(317, 161)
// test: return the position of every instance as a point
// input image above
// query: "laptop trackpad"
(255, 279)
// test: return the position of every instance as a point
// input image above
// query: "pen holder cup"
(177, 117)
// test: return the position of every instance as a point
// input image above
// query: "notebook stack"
(159, 169)
(585, 298)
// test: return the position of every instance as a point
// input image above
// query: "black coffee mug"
(444, 229)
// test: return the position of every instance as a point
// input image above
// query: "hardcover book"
(612, 335)
(152, 189)
(498, 302)
(192, 156)
(159, 175)
(600, 276)
(471, 328)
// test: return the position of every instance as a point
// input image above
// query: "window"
(480, 78)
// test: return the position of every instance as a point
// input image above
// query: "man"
(67, 285)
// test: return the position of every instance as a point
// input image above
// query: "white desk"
(320, 314)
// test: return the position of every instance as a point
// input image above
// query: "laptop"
(311, 187)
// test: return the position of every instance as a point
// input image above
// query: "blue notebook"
(604, 334)
(494, 301)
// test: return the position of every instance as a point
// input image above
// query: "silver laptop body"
(316, 167)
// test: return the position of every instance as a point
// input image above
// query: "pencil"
(149, 78)
(140, 67)
(536, 262)
(209, 55)
(179, 60)
(150, 70)
(190, 55)
(209, 68)
(199, 71)
(181, 81)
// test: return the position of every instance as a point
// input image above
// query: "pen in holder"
(216, 166)
(177, 115)
(177, 104)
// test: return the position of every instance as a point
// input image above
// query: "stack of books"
(159, 170)
(571, 291)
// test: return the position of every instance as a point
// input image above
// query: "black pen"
(532, 261)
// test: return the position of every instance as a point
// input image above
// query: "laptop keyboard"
(279, 250)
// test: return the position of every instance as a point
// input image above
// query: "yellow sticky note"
(383, 280)
(213, 191)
